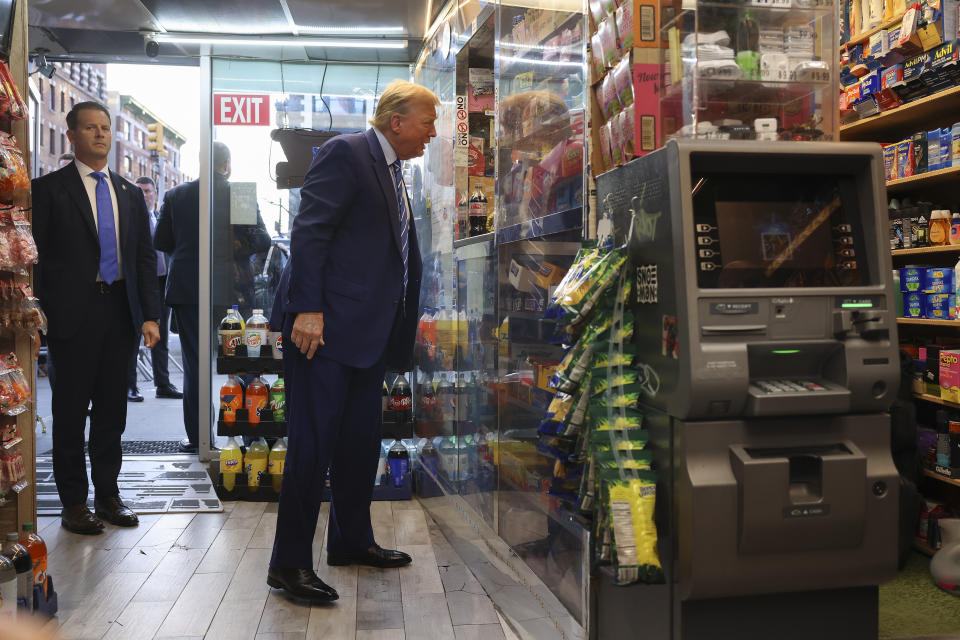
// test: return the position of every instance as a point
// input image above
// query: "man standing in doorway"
(178, 233)
(97, 282)
(159, 356)
(348, 303)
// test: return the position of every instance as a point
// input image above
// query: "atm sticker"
(643, 225)
(648, 379)
(669, 344)
(648, 285)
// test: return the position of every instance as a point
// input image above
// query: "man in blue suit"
(97, 282)
(347, 304)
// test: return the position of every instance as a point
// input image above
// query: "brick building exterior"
(130, 144)
(74, 82)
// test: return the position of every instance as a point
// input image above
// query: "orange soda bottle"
(38, 555)
(258, 395)
(231, 399)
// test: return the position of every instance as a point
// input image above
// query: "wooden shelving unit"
(926, 251)
(929, 178)
(937, 476)
(954, 324)
(865, 36)
(926, 397)
(888, 123)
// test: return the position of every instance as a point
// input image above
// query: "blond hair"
(397, 98)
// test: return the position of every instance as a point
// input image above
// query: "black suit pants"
(92, 369)
(160, 353)
(188, 320)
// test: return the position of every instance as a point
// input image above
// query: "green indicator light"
(782, 352)
(857, 305)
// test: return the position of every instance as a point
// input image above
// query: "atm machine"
(767, 334)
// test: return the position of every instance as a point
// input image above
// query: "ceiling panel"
(410, 14)
(220, 16)
(103, 15)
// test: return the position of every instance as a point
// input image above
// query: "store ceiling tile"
(110, 30)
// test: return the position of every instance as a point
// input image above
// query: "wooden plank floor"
(204, 576)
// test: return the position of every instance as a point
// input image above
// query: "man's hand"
(36, 346)
(307, 333)
(151, 334)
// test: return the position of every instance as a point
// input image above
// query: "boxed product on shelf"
(480, 89)
(919, 146)
(890, 161)
(939, 306)
(913, 305)
(887, 97)
(911, 279)
(944, 62)
(905, 159)
(950, 375)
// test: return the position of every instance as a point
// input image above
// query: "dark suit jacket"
(345, 258)
(69, 249)
(178, 234)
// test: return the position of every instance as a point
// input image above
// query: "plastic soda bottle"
(8, 590)
(231, 332)
(231, 463)
(255, 462)
(401, 399)
(38, 555)
(429, 457)
(20, 557)
(276, 461)
(398, 458)
(255, 333)
(231, 399)
(256, 400)
(278, 400)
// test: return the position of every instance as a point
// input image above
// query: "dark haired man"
(97, 282)
(160, 353)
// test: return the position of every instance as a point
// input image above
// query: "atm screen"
(775, 231)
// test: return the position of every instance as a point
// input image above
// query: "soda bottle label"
(278, 403)
(255, 404)
(229, 403)
(400, 403)
(230, 339)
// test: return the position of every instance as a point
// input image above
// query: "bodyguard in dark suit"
(178, 234)
(97, 282)
(160, 354)
(347, 304)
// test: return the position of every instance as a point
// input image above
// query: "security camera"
(151, 47)
(43, 67)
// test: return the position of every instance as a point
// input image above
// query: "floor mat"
(158, 484)
(142, 447)
(911, 606)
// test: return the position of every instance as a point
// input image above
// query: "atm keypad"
(780, 385)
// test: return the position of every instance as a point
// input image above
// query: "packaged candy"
(13, 171)
(25, 248)
(596, 11)
(12, 105)
(596, 55)
(608, 92)
(9, 435)
(607, 30)
(31, 316)
(14, 387)
(624, 20)
(616, 140)
(629, 140)
(623, 81)
(605, 141)
(12, 471)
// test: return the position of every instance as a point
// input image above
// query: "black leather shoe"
(187, 447)
(169, 391)
(133, 395)
(375, 556)
(301, 584)
(115, 512)
(78, 519)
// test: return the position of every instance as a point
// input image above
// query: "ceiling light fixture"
(277, 41)
(371, 30)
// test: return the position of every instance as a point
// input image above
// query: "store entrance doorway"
(156, 137)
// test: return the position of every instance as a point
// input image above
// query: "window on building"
(40, 88)
(53, 140)
(63, 143)
(63, 100)
(127, 165)
(73, 101)
(41, 136)
(53, 98)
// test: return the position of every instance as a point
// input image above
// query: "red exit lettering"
(236, 109)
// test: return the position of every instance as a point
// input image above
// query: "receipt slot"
(764, 306)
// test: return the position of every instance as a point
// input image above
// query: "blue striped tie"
(404, 220)
(106, 230)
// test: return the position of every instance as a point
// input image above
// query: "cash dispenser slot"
(800, 378)
(800, 498)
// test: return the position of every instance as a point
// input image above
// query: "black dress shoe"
(115, 512)
(187, 447)
(169, 391)
(301, 584)
(133, 395)
(78, 519)
(375, 556)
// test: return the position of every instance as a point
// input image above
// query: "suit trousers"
(188, 321)
(160, 354)
(92, 368)
(333, 421)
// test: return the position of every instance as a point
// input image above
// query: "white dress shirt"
(90, 183)
(391, 156)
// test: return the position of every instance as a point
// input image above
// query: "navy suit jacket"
(69, 249)
(345, 258)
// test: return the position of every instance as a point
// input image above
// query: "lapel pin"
(124, 187)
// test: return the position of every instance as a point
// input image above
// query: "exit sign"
(237, 109)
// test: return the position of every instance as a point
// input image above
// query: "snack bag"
(624, 20)
(631, 504)
(623, 81)
(611, 103)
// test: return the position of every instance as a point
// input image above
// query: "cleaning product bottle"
(231, 463)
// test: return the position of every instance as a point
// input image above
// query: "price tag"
(461, 131)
